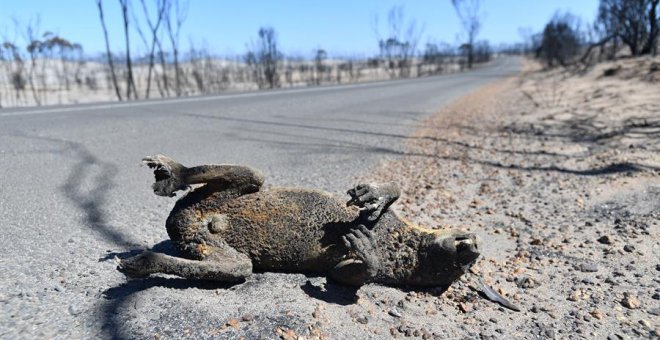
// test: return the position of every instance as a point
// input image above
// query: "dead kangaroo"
(228, 228)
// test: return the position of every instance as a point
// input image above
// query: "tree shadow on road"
(335, 144)
(588, 129)
(92, 198)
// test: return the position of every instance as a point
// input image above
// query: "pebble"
(605, 239)
(645, 323)
(232, 323)
(577, 295)
(629, 301)
(526, 282)
(247, 317)
(394, 312)
(654, 311)
(597, 314)
(74, 309)
(587, 281)
(588, 267)
(629, 248)
(486, 336)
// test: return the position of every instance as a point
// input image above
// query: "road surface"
(74, 195)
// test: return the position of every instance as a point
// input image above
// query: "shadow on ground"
(579, 130)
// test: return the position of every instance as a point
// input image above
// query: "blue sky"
(342, 27)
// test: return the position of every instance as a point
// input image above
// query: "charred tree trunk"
(130, 81)
(651, 44)
(109, 53)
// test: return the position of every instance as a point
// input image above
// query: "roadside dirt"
(558, 173)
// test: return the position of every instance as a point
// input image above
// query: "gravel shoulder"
(558, 174)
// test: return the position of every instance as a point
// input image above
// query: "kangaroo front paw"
(362, 195)
(373, 199)
(140, 265)
(362, 243)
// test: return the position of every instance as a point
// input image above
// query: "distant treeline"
(45, 68)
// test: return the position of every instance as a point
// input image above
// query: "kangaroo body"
(229, 228)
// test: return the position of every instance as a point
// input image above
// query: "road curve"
(74, 195)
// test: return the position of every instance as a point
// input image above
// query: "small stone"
(317, 312)
(526, 282)
(645, 323)
(630, 302)
(654, 311)
(605, 239)
(588, 267)
(576, 296)
(233, 323)
(588, 281)
(597, 314)
(247, 317)
(463, 307)
(74, 309)
(363, 320)
(656, 296)
(629, 248)
(394, 312)
(485, 336)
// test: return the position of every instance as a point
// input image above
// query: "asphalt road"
(74, 195)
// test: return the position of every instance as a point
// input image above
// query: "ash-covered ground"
(558, 172)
